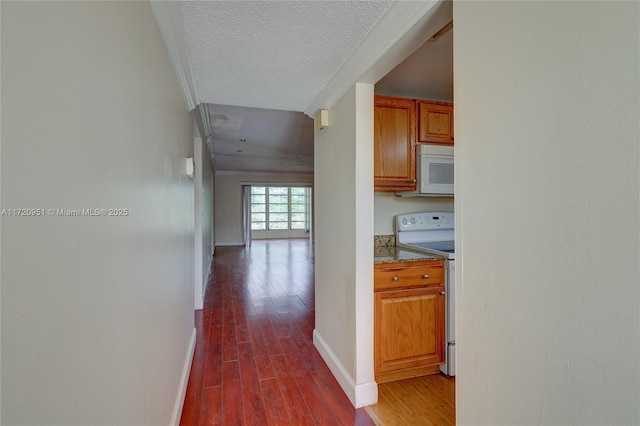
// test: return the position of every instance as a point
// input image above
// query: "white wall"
(203, 220)
(547, 106)
(97, 312)
(387, 206)
(228, 200)
(344, 244)
(207, 195)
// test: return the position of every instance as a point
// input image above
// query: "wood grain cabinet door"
(435, 122)
(394, 144)
(409, 329)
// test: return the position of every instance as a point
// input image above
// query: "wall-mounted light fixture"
(321, 120)
(189, 167)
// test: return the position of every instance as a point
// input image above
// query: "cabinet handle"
(442, 293)
(395, 278)
(425, 276)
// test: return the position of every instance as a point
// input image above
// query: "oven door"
(436, 174)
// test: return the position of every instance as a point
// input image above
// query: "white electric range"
(434, 233)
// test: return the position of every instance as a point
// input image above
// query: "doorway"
(277, 212)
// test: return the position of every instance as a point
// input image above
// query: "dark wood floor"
(255, 363)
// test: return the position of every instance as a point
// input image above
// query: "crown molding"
(405, 27)
(203, 121)
(171, 26)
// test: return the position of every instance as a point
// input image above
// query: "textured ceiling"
(272, 54)
(259, 64)
(264, 140)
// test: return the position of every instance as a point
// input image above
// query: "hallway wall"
(203, 218)
(343, 157)
(97, 311)
(208, 194)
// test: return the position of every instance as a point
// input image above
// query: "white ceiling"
(426, 74)
(259, 64)
(272, 54)
(261, 140)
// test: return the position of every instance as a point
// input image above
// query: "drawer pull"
(395, 278)
(442, 293)
(425, 276)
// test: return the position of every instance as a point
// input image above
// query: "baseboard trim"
(359, 395)
(366, 394)
(198, 302)
(229, 244)
(184, 380)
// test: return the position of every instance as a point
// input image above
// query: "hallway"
(254, 362)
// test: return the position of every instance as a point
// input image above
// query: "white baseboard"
(184, 380)
(359, 395)
(366, 394)
(239, 243)
(198, 302)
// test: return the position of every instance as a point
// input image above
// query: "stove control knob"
(413, 220)
(404, 221)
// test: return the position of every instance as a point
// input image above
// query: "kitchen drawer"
(408, 276)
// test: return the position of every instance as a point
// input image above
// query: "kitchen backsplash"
(386, 206)
(384, 240)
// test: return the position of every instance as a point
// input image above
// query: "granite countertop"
(393, 254)
(385, 251)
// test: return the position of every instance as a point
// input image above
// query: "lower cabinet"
(409, 328)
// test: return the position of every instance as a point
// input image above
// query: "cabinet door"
(435, 122)
(409, 329)
(394, 144)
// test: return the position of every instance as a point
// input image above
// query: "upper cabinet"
(435, 122)
(394, 144)
(396, 122)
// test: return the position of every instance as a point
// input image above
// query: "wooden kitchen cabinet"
(394, 144)
(409, 319)
(435, 122)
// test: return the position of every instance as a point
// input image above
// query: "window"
(276, 208)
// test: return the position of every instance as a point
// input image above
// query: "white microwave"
(434, 172)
